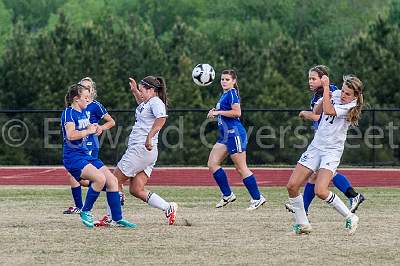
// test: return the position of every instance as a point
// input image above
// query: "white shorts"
(315, 159)
(137, 159)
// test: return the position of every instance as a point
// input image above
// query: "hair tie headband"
(154, 86)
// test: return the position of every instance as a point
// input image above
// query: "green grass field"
(33, 230)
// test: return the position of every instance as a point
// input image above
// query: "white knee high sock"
(338, 204)
(299, 212)
(157, 202)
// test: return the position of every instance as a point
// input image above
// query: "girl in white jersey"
(141, 155)
(339, 109)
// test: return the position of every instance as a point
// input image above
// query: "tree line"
(45, 46)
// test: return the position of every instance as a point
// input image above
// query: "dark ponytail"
(159, 86)
(73, 91)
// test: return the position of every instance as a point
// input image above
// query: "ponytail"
(354, 83)
(159, 86)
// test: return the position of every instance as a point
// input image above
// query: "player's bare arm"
(135, 91)
(234, 113)
(158, 124)
(309, 115)
(327, 106)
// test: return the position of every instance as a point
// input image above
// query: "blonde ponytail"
(354, 83)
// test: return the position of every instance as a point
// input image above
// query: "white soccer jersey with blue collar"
(146, 114)
(332, 130)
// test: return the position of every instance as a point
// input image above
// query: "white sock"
(157, 202)
(108, 209)
(299, 212)
(338, 204)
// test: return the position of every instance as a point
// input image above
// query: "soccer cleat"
(72, 210)
(289, 207)
(123, 223)
(225, 200)
(170, 213)
(352, 223)
(87, 218)
(356, 201)
(105, 221)
(302, 229)
(254, 204)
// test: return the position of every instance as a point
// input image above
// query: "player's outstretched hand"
(211, 113)
(133, 84)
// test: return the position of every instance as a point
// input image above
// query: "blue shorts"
(234, 143)
(75, 165)
(94, 153)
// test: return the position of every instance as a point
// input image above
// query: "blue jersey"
(95, 111)
(229, 125)
(74, 147)
(314, 100)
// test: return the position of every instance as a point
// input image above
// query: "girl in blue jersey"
(232, 141)
(340, 181)
(338, 109)
(76, 128)
(96, 112)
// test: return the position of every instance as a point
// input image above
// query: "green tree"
(375, 57)
(34, 13)
(5, 27)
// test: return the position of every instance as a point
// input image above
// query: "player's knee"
(243, 172)
(292, 187)
(321, 193)
(212, 166)
(100, 179)
(134, 191)
(112, 184)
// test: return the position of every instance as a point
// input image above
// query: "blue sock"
(91, 197)
(308, 195)
(222, 181)
(341, 182)
(251, 185)
(77, 195)
(115, 205)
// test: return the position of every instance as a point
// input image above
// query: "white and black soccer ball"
(203, 74)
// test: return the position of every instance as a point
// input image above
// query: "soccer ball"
(203, 74)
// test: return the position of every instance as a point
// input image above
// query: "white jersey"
(332, 130)
(146, 114)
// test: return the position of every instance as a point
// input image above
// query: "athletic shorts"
(94, 153)
(234, 143)
(75, 165)
(315, 159)
(137, 159)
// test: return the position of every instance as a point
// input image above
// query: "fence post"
(373, 141)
